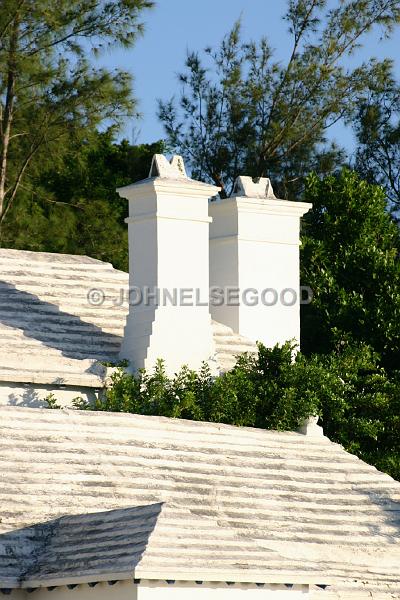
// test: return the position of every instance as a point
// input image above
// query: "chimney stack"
(168, 229)
(254, 249)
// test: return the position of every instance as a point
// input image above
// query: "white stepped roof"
(89, 496)
(49, 331)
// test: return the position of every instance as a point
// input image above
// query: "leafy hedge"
(358, 403)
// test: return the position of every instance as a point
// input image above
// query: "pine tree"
(50, 94)
(255, 115)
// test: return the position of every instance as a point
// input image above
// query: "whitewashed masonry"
(254, 248)
(168, 230)
(173, 507)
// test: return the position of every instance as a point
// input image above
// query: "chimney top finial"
(173, 169)
(261, 188)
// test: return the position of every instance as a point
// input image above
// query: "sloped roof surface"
(87, 496)
(50, 332)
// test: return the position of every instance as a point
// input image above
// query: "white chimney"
(168, 229)
(254, 257)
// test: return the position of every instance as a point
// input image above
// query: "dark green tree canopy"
(50, 94)
(249, 113)
(350, 258)
(72, 207)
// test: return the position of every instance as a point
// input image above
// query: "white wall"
(157, 590)
(123, 590)
(219, 591)
(15, 595)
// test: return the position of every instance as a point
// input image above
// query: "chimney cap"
(260, 188)
(310, 428)
(162, 167)
(168, 175)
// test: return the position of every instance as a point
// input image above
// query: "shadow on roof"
(93, 546)
(44, 322)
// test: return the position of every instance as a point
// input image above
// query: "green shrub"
(357, 402)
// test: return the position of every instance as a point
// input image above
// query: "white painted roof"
(49, 331)
(89, 496)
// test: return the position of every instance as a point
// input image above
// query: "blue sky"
(175, 26)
